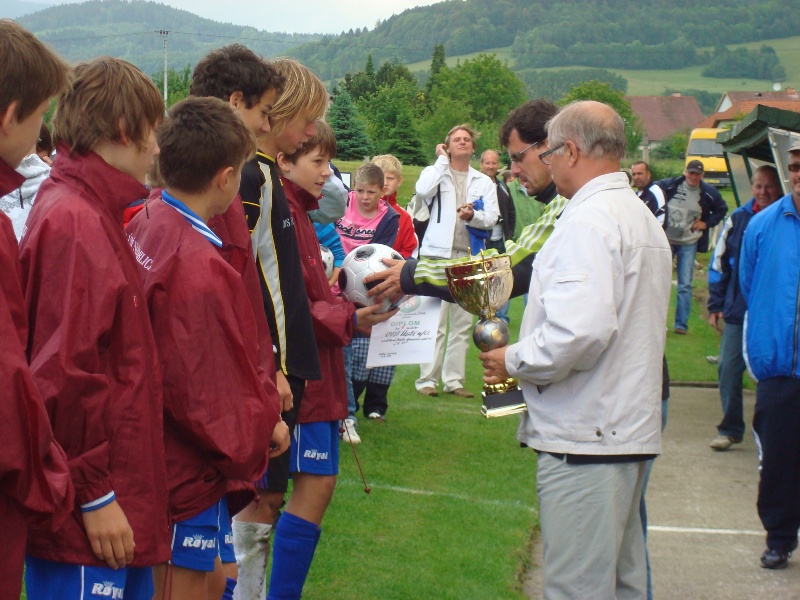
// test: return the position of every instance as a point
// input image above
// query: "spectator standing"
(504, 228)
(406, 241)
(650, 193)
(454, 185)
(693, 208)
(368, 219)
(769, 275)
(725, 301)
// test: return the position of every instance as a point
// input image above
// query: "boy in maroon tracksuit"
(216, 407)
(315, 441)
(35, 486)
(91, 345)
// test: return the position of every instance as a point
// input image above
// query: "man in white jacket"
(450, 188)
(592, 337)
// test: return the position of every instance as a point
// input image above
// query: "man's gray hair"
(597, 133)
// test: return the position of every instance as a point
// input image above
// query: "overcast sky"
(296, 16)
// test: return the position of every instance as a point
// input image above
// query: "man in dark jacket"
(725, 300)
(504, 228)
(693, 208)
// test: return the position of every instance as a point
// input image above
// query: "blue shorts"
(225, 539)
(315, 448)
(195, 541)
(48, 580)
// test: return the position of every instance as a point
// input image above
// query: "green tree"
(404, 141)
(351, 139)
(487, 86)
(435, 126)
(383, 109)
(363, 83)
(178, 83)
(603, 92)
(391, 71)
(438, 65)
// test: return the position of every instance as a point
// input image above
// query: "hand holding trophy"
(481, 287)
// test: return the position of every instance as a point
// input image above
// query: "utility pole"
(164, 33)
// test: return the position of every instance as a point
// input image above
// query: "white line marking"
(703, 530)
(403, 490)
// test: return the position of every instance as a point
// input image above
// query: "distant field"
(646, 83)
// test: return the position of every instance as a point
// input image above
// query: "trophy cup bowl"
(482, 287)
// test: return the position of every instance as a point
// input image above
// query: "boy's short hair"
(466, 127)
(234, 68)
(109, 98)
(388, 164)
(32, 72)
(45, 141)
(324, 140)
(198, 138)
(369, 174)
(303, 92)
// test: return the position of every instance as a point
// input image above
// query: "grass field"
(654, 82)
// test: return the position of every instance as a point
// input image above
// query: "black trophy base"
(505, 403)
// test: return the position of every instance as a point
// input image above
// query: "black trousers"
(776, 424)
(376, 398)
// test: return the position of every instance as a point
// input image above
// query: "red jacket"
(324, 399)
(35, 486)
(406, 241)
(218, 418)
(93, 356)
(231, 227)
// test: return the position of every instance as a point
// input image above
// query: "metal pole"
(164, 34)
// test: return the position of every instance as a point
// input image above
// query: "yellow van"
(703, 146)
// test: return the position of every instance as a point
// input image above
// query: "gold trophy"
(482, 287)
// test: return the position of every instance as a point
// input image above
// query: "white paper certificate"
(409, 337)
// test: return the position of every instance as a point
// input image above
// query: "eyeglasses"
(547, 157)
(793, 167)
(517, 156)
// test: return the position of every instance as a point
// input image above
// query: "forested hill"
(632, 34)
(128, 29)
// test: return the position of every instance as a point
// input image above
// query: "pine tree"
(404, 141)
(351, 138)
(437, 66)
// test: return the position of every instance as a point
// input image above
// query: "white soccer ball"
(327, 260)
(363, 261)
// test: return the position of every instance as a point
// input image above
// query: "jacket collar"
(106, 185)
(9, 179)
(299, 197)
(547, 194)
(602, 183)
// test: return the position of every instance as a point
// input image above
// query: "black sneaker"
(775, 558)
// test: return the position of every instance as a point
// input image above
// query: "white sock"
(251, 545)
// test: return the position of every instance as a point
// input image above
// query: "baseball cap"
(695, 166)
(794, 146)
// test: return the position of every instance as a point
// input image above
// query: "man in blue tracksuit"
(769, 276)
(725, 301)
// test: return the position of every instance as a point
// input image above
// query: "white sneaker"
(349, 432)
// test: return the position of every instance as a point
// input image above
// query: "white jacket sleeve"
(431, 177)
(486, 218)
(577, 283)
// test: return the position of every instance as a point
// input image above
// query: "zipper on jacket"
(796, 330)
